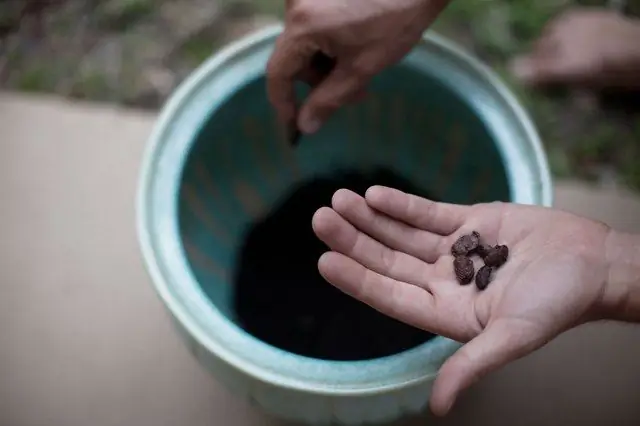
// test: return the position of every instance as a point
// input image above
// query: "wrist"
(621, 295)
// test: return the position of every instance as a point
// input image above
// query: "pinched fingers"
(339, 88)
(288, 61)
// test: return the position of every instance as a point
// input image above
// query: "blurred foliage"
(117, 15)
(581, 142)
(588, 143)
(35, 79)
(273, 7)
(196, 49)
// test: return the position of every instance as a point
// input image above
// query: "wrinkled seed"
(483, 250)
(497, 256)
(464, 269)
(465, 244)
(472, 244)
(483, 277)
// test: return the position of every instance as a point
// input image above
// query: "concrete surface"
(84, 341)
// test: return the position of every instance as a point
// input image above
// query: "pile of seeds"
(472, 244)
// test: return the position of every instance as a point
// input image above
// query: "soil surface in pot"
(281, 298)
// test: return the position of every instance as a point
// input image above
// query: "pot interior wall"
(412, 132)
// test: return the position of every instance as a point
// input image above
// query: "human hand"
(361, 36)
(584, 46)
(392, 251)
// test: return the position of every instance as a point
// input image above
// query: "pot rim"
(168, 268)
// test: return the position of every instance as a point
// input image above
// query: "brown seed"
(293, 134)
(463, 267)
(483, 277)
(483, 250)
(497, 256)
(465, 244)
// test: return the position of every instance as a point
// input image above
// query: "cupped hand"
(362, 37)
(392, 251)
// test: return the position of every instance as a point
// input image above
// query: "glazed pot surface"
(218, 163)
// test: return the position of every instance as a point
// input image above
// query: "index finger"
(288, 59)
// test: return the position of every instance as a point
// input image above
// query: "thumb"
(337, 89)
(499, 344)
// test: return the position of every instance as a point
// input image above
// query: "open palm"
(392, 251)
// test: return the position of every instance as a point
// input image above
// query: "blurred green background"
(134, 52)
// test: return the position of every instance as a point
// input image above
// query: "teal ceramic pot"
(216, 162)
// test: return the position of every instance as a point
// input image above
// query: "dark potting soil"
(281, 298)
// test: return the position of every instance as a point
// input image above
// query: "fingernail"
(373, 193)
(309, 124)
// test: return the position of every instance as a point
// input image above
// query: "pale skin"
(363, 36)
(591, 48)
(587, 47)
(391, 250)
